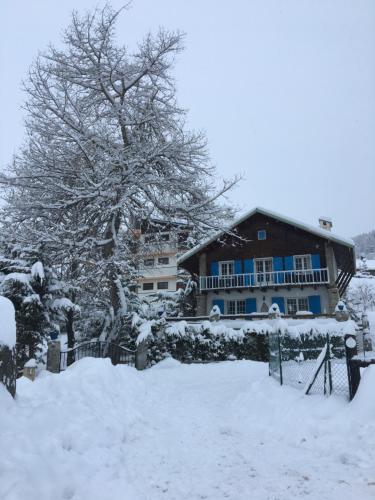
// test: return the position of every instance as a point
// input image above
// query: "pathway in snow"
(218, 431)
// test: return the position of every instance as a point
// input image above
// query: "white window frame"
(302, 257)
(298, 308)
(225, 262)
(236, 306)
(263, 277)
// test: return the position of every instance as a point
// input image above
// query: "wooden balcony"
(305, 277)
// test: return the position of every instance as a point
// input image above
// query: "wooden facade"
(264, 236)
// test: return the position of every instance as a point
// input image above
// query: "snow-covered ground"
(216, 431)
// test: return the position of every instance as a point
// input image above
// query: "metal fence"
(316, 365)
(96, 349)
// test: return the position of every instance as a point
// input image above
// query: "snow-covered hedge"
(218, 340)
(201, 342)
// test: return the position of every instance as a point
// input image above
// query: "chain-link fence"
(316, 365)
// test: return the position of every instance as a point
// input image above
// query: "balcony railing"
(266, 279)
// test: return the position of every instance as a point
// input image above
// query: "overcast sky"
(284, 89)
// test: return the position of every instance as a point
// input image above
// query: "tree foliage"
(107, 146)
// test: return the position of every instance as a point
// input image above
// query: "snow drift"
(217, 431)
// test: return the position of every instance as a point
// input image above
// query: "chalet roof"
(323, 233)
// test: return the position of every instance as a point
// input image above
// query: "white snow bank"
(7, 323)
(217, 431)
(363, 405)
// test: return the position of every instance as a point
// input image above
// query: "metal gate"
(275, 365)
(97, 349)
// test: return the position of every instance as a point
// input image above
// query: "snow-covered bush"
(202, 342)
(216, 341)
(32, 288)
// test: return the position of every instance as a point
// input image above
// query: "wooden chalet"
(265, 258)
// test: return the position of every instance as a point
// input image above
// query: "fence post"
(328, 362)
(141, 355)
(280, 360)
(53, 356)
(8, 368)
(354, 373)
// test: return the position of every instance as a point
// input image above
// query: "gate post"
(141, 355)
(53, 356)
(354, 374)
(280, 358)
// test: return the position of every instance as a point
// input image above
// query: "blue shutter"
(214, 269)
(315, 264)
(289, 263)
(238, 267)
(314, 304)
(219, 303)
(251, 306)
(315, 261)
(278, 266)
(280, 302)
(248, 269)
(289, 266)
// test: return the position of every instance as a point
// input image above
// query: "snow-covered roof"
(323, 233)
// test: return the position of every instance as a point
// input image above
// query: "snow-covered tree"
(30, 286)
(107, 145)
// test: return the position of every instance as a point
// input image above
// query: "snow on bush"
(7, 323)
(217, 340)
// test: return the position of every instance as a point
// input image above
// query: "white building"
(160, 245)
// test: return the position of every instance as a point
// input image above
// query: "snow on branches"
(107, 145)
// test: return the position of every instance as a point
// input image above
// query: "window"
(235, 307)
(163, 260)
(162, 285)
(148, 286)
(263, 269)
(226, 267)
(149, 238)
(295, 305)
(262, 234)
(302, 262)
(149, 262)
(164, 237)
